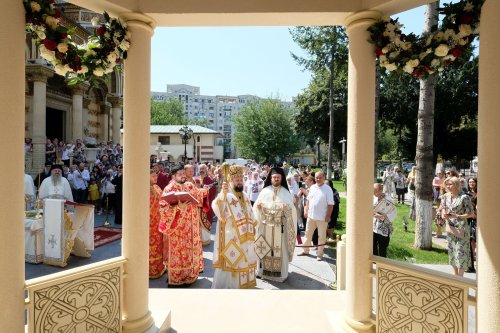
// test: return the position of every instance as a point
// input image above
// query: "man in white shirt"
(318, 210)
(81, 177)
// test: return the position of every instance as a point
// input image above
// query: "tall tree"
(327, 49)
(264, 131)
(312, 120)
(424, 151)
(168, 112)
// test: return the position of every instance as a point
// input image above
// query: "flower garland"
(79, 63)
(424, 55)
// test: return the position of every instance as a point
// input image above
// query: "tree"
(312, 120)
(328, 50)
(425, 149)
(168, 112)
(264, 131)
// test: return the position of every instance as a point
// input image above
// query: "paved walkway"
(304, 273)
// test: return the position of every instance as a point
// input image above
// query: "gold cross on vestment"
(233, 202)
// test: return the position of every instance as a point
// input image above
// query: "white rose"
(110, 68)
(406, 46)
(422, 55)
(385, 50)
(62, 47)
(408, 68)
(390, 27)
(98, 71)
(439, 36)
(47, 54)
(391, 67)
(462, 42)
(394, 54)
(107, 35)
(435, 63)
(413, 62)
(124, 45)
(95, 21)
(52, 22)
(449, 33)
(449, 57)
(464, 30)
(112, 57)
(35, 6)
(41, 34)
(83, 70)
(382, 58)
(441, 50)
(61, 69)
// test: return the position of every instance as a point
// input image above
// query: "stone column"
(135, 244)
(77, 125)
(39, 75)
(12, 86)
(117, 105)
(360, 153)
(104, 118)
(488, 275)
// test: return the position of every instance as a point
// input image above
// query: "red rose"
(101, 30)
(457, 52)
(49, 44)
(465, 19)
(416, 73)
(57, 13)
(63, 35)
(378, 51)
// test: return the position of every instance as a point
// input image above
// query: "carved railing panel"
(85, 299)
(412, 299)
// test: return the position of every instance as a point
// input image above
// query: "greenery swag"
(423, 55)
(79, 63)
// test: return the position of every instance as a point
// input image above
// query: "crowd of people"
(455, 199)
(258, 209)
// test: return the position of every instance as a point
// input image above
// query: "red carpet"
(106, 235)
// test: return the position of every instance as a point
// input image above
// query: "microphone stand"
(106, 223)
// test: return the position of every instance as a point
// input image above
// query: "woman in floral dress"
(456, 207)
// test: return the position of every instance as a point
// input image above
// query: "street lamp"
(318, 141)
(186, 133)
(343, 141)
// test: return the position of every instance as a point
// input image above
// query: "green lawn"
(401, 245)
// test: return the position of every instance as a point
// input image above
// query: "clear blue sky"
(237, 60)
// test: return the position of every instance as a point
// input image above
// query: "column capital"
(80, 88)
(362, 17)
(38, 73)
(116, 101)
(140, 20)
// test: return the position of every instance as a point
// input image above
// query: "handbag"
(451, 230)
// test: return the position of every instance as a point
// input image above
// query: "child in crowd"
(93, 196)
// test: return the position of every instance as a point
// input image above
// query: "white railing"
(410, 298)
(83, 299)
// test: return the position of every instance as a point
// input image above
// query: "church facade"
(53, 109)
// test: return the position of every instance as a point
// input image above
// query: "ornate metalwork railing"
(411, 298)
(83, 299)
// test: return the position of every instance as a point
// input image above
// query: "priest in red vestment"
(180, 223)
(156, 261)
(206, 212)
